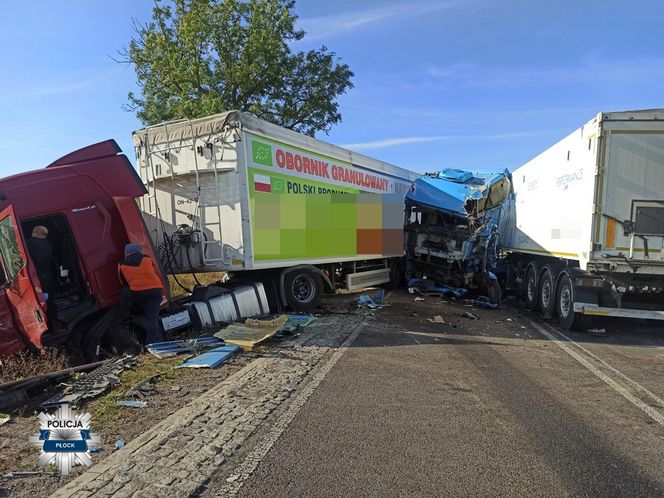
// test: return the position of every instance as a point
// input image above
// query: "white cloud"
(326, 26)
(591, 71)
(395, 142)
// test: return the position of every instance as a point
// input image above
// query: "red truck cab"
(87, 201)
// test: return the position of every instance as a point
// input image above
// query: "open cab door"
(20, 294)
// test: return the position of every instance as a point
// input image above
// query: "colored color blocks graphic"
(294, 218)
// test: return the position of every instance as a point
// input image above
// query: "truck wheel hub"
(304, 288)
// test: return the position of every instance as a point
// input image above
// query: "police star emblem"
(65, 439)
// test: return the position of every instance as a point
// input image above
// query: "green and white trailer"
(234, 193)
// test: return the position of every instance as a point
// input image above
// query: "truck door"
(20, 294)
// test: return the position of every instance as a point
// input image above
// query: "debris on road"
(4, 418)
(92, 384)
(372, 302)
(419, 299)
(484, 302)
(143, 388)
(437, 319)
(295, 321)
(469, 315)
(119, 444)
(169, 349)
(597, 332)
(211, 359)
(26, 473)
(132, 403)
(252, 332)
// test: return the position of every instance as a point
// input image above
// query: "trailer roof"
(183, 129)
(634, 115)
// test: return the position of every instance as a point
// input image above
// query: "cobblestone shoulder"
(180, 454)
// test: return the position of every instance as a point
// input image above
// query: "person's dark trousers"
(149, 300)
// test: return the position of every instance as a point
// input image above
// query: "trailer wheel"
(568, 318)
(547, 293)
(531, 288)
(303, 289)
(397, 274)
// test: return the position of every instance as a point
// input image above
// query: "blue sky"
(473, 84)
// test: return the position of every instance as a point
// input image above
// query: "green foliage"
(201, 57)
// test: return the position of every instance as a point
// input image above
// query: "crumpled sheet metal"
(92, 384)
(451, 190)
(252, 332)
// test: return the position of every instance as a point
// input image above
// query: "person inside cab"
(141, 284)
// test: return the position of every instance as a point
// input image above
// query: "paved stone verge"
(181, 453)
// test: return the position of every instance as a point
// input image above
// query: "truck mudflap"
(595, 310)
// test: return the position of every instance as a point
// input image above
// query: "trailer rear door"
(632, 192)
(29, 316)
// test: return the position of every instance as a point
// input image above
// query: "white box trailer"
(584, 227)
(234, 193)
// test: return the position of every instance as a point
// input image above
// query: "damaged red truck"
(87, 201)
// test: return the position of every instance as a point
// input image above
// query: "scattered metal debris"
(26, 473)
(372, 302)
(93, 384)
(144, 388)
(469, 315)
(169, 349)
(132, 403)
(211, 359)
(248, 334)
(4, 418)
(295, 321)
(419, 299)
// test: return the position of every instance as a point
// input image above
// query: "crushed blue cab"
(211, 359)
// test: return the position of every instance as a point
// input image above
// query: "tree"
(200, 57)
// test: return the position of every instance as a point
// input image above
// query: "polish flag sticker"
(262, 183)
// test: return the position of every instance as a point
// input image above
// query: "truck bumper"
(594, 310)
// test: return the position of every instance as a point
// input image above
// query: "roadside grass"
(107, 412)
(29, 363)
(189, 282)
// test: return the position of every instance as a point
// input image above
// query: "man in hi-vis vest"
(141, 284)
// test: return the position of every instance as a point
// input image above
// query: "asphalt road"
(501, 406)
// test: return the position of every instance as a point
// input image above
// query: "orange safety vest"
(145, 276)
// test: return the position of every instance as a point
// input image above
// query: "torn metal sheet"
(169, 349)
(92, 384)
(132, 403)
(211, 359)
(251, 332)
(144, 388)
(461, 192)
(296, 321)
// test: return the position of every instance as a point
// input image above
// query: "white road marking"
(245, 469)
(556, 336)
(638, 386)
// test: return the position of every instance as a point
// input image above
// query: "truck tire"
(303, 289)
(397, 274)
(531, 288)
(547, 293)
(568, 318)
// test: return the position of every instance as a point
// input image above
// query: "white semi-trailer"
(583, 232)
(233, 193)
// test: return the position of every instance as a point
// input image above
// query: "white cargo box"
(596, 197)
(233, 192)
